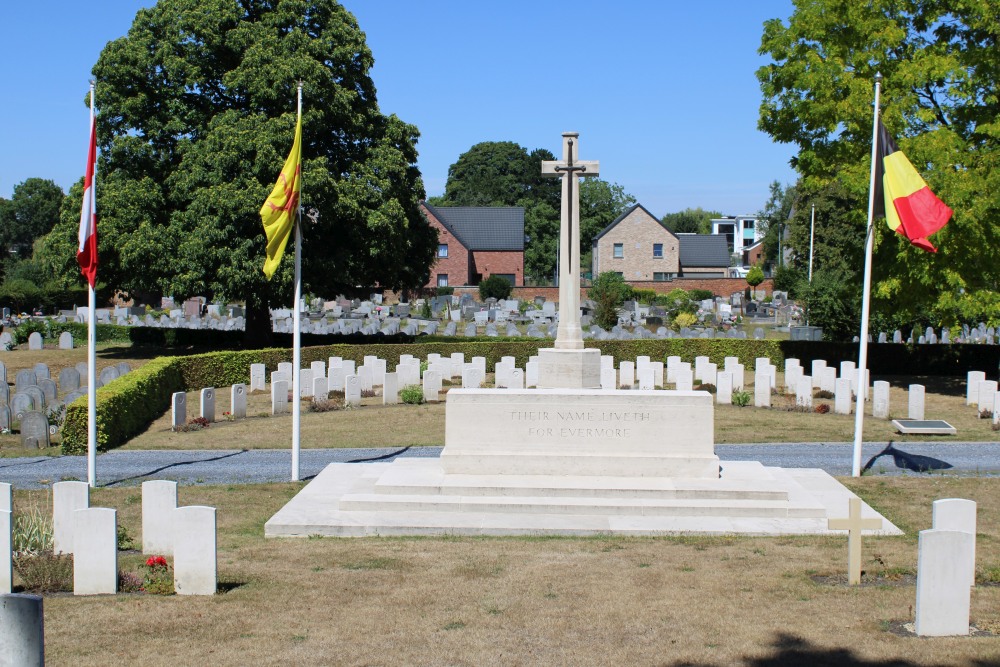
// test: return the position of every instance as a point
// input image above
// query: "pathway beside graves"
(131, 468)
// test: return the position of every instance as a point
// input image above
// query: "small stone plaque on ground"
(924, 426)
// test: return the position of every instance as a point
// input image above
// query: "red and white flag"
(86, 254)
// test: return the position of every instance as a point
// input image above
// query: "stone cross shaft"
(854, 524)
(570, 170)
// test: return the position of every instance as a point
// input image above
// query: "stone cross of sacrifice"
(569, 169)
(854, 524)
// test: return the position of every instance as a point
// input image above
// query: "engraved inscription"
(559, 417)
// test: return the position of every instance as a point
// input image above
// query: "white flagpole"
(296, 323)
(859, 413)
(92, 341)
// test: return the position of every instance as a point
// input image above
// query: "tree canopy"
(31, 212)
(940, 99)
(690, 221)
(196, 112)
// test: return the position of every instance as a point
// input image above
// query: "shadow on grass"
(792, 651)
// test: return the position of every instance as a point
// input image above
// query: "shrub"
(741, 399)
(701, 294)
(496, 287)
(45, 572)
(125, 541)
(326, 404)
(445, 291)
(646, 296)
(755, 276)
(196, 423)
(21, 332)
(709, 387)
(683, 320)
(823, 393)
(412, 394)
(129, 582)
(822, 408)
(609, 291)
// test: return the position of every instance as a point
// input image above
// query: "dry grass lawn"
(532, 601)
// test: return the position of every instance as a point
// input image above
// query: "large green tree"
(196, 111)
(940, 99)
(31, 212)
(690, 221)
(773, 218)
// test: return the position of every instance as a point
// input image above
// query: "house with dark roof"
(637, 246)
(475, 242)
(704, 256)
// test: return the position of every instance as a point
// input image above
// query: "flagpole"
(296, 325)
(859, 414)
(92, 344)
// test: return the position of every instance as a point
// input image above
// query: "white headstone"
(842, 396)
(515, 380)
(645, 377)
(286, 367)
(34, 341)
(804, 392)
(792, 375)
(258, 377)
(657, 367)
(178, 409)
(335, 379)
(762, 389)
(95, 551)
(880, 400)
(684, 376)
(159, 500)
(320, 391)
(432, 386)
(352, 390)
(943, 593)
(208, 403)
(390, 389)
(238, 401)
(318, 369)
(366, 377)
(609, 377)
(531, 374)
(916, 401)
(279, 397)
(699, 367)
(760, 363)
(972, 386)
(709, 373)
(195, 562)
(67, 497)
(739, 377)
(728, 363)
(724, 388)
(65, 341)
(957, 514)
(817, 376)
(305, 383)
(378, 367)
(673, 362)
(987, 390)
(828, 379)
(626, 374)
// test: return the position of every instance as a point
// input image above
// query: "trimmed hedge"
(128, 405)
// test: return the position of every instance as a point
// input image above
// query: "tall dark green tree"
(31, 212)
(773, 218)
(196, 111)
(940, 99)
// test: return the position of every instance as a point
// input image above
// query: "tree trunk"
(257, 333)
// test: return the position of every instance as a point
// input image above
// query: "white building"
(741, 231)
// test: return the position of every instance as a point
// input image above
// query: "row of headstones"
(980, 334)
(35, 394)
(35, 341)
(983, 394)
(90, 534)
(206, 404)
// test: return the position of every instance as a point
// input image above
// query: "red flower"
(156, 561)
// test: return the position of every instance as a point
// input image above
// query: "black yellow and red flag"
(279, 211)
(910, 208)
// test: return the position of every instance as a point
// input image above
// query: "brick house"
(476, 242)
(637, 246)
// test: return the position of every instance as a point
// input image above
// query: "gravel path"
(130, 468)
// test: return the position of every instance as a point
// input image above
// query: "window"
(662, 276)
(442, 249)
(657, 250)
(509, 277)
(620, 274)
(619, 251)
(748, 224)
(443, 279)
(747, 243)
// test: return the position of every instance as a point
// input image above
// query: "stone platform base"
(417, 497)
(569, 369)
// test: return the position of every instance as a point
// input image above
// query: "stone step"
(423, 480)
(377, 502)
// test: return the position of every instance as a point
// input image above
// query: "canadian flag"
(86, 254)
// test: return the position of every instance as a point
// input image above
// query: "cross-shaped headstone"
(570, 170)
(854, 524)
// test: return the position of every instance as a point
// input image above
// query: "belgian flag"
(901, 195)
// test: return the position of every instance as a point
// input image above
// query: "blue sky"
(662, 92)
